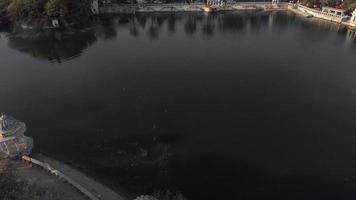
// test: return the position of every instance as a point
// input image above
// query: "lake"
(233, 105)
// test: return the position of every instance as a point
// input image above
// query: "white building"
(95, 7)
(13, 142)
(215, 3)
(333, 11)
(353, 18)
(55, 23)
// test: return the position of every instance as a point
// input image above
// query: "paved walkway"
(97, 189)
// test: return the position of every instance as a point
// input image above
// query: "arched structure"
(215, 3)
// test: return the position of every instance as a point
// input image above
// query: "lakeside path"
(97, 189)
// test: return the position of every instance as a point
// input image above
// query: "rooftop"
(335, 9)
(10, 126)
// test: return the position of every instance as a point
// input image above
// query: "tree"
(330, 3)
(349, 5)
(56, 8)
(20, 9)
(25, 8)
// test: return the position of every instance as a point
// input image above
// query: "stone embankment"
(185, 7)
(319, 14)
(310, 12)
(230, 6)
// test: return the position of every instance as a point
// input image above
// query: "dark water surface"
(225, 106)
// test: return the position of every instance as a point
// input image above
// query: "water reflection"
(350, 37)
(58, 47)
(105, 28)
(55, 46)
(168, 94)
(190, 27)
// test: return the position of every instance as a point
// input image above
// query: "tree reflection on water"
(55, 47)
(63, 46)
(155, 127)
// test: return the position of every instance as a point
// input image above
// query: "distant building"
(215, 3)
(353, 18)
(333, 11)
(95, 7)
(13, 142)
(55, 23)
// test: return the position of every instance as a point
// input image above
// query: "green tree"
(330, 3)
(56, 8)
(21, 9)
(349, 5)
(25, 8)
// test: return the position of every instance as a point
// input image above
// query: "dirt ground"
(22, 181)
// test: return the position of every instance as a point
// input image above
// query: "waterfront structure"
(95, 7)
(55, 23)
(353, 18)
(333, 11)
(215, 3)
(327, 13)
(13, 142)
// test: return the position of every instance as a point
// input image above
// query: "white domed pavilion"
(13, 142)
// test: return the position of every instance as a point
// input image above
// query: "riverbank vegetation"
(41, 11)
(348, 5)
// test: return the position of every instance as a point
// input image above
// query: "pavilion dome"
(9, 126)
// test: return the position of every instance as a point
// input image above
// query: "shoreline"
(309, 12)
(185, 7)
(109, 9)
(82, 182)
(237, 6)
